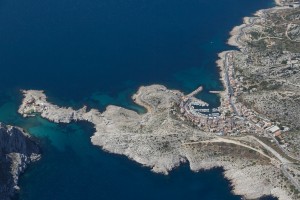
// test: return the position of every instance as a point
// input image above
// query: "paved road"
(229, 86)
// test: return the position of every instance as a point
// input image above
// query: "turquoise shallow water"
(71, 168)
(98, 52)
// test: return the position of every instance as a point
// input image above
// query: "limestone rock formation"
(162, 139)
(17, 150)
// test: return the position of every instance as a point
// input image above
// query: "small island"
(254, 134)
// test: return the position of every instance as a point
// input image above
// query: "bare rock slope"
(17, 150)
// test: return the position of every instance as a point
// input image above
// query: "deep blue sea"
(98, 52)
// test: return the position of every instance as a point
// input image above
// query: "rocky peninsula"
(17, 150)
(164, 137)
(253, 135)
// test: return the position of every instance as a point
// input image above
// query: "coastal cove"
(71, 168)
(67, 152)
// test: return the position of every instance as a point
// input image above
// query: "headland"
(17, 150)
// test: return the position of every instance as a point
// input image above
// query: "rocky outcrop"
(17, 150)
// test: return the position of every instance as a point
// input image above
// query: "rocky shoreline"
(163, 138)
(17, 150)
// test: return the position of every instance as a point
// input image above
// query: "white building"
(273, 129)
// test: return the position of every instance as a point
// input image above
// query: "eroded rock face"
(17, 150)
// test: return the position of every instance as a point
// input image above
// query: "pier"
(215, 92)
(199, 89)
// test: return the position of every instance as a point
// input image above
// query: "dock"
(215, 92)
(199, 89)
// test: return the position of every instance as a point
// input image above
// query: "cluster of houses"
(260, 125)
(210, 119)
(32, 106)
(277, 134)
(232, 118)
